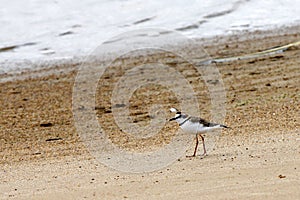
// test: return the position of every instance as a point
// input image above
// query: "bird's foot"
(203, 155)
(192, 156)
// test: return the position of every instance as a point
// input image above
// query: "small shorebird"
(195, 125)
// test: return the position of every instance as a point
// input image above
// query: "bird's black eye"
(178, 112)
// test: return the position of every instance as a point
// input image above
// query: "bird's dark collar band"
(174, 118)
(184, 121)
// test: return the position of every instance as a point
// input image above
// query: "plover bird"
(196, 126)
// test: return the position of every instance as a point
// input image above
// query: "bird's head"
(177, 115)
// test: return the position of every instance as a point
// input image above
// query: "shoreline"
(66, 65)
(43, 156)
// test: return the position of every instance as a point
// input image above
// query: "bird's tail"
(224, 126)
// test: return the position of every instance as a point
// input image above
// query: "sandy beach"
(43, 157)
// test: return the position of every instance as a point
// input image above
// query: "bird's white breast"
(192, 128)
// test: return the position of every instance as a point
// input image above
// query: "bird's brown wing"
(204, 122)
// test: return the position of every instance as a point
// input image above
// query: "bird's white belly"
(194, 128)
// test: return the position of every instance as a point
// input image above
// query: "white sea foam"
(34, 30)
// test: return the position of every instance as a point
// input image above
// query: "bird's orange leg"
(204, 149)
(197, 142)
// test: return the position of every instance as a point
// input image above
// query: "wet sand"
(42, 156)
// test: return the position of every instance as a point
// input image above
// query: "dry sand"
(42, 156)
